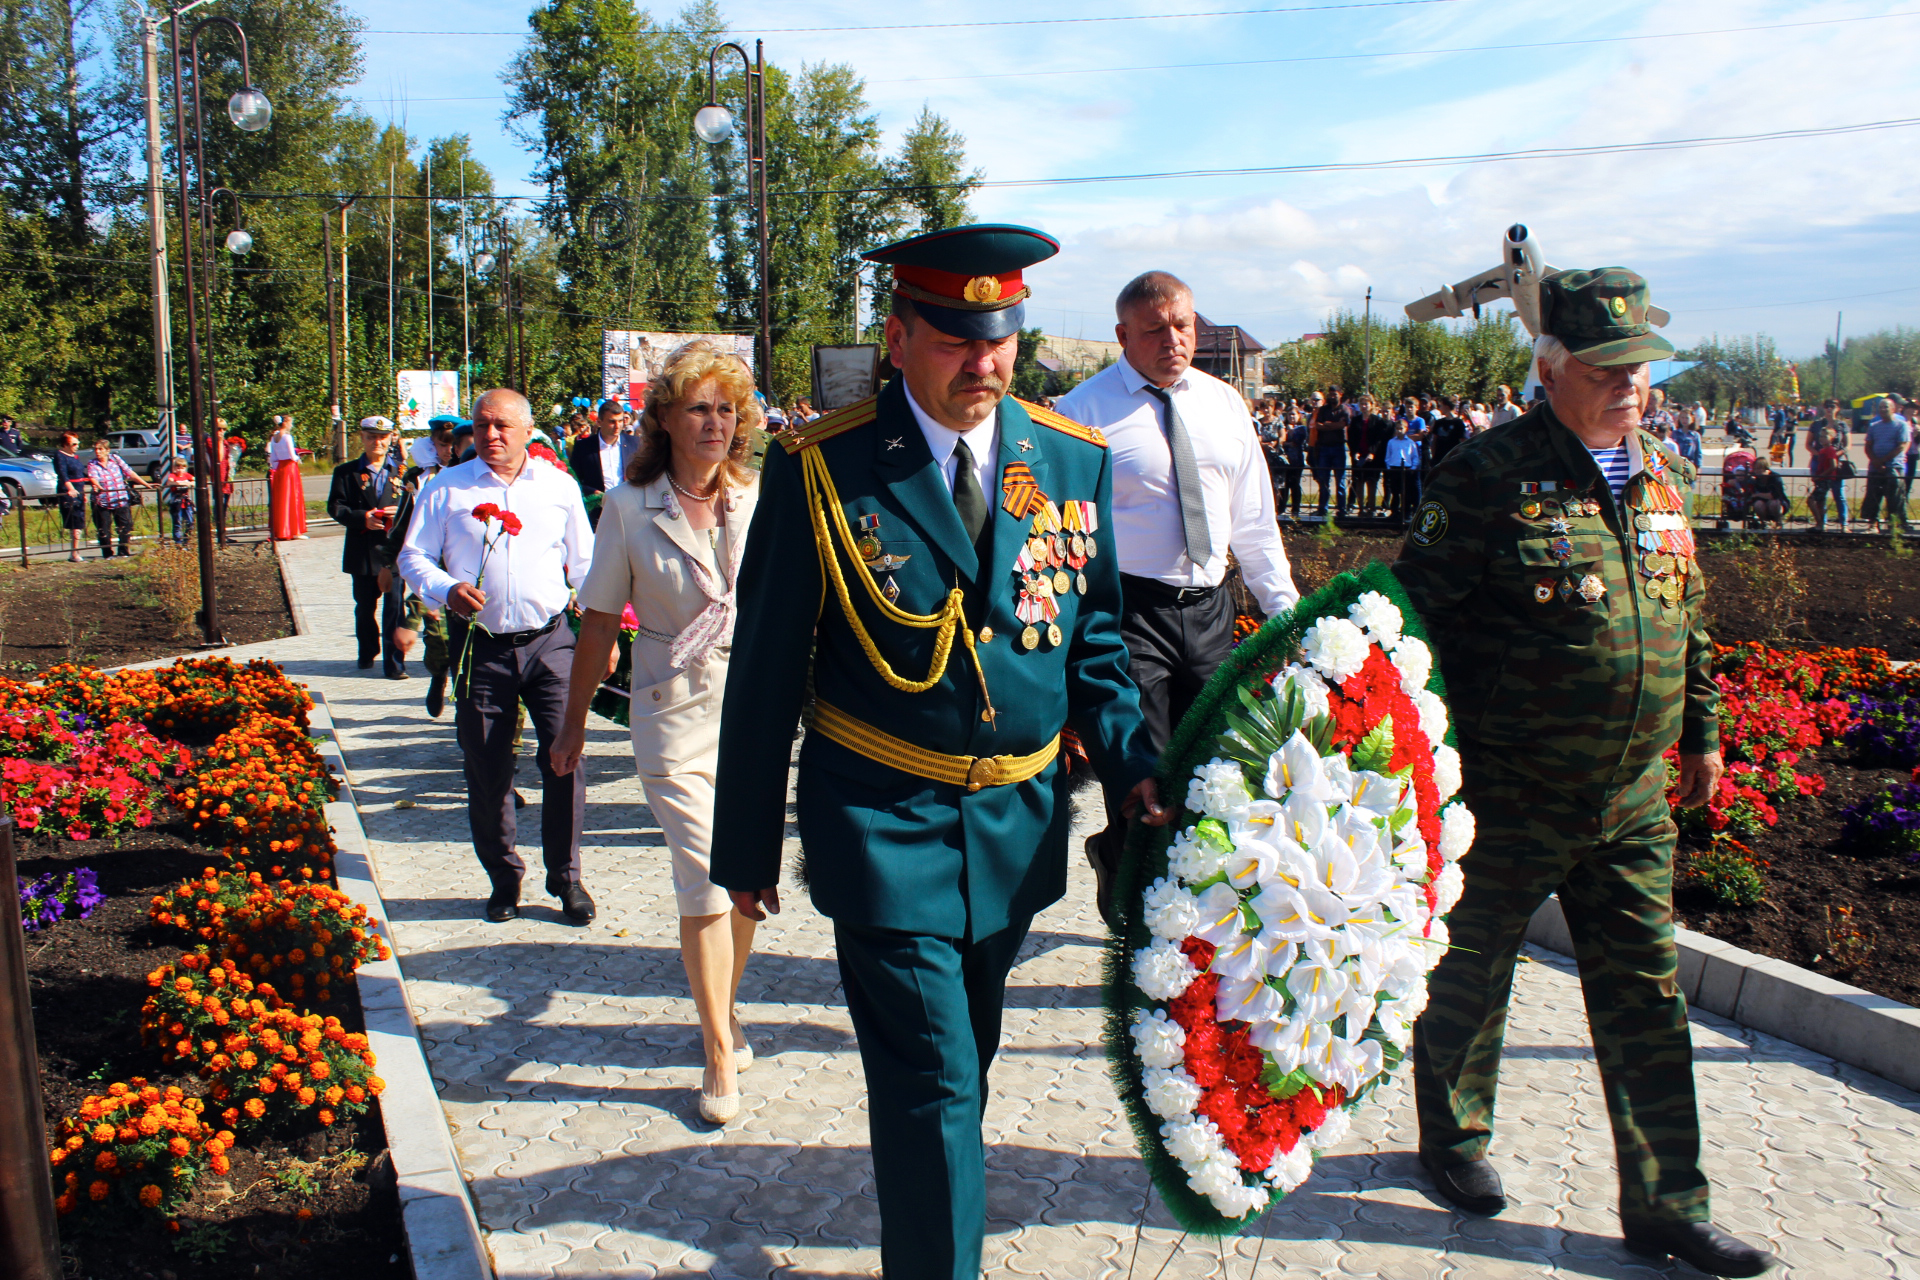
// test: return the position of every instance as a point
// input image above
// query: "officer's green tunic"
(1564, 707)
(930, 887)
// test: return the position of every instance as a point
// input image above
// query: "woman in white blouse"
(287, 499)
(669, 542)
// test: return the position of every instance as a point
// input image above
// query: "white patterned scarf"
(713, 628)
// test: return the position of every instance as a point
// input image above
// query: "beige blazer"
(640, 554)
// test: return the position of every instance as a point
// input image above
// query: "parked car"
(144, 451)
(26, 476)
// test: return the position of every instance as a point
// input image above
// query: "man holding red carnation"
(495, 541)
(1553, 563)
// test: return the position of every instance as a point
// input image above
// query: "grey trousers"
(502, 677)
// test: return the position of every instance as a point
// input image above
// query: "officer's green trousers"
(926, 1011)
(1612, 864)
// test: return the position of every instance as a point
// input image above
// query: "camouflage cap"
(1601, 316)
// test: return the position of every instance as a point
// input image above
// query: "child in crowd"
(176, 494)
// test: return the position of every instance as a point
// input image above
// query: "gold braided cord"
(830, 519)
(972, 772)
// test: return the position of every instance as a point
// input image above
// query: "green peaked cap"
(1601, 316)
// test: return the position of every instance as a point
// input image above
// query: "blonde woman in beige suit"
(669, 542)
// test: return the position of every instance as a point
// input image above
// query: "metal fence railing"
(32, 531)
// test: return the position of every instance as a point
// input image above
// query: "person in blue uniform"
(941, 555)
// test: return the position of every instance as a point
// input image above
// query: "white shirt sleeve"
(577, 542)
(1255, 536)
(421, 552)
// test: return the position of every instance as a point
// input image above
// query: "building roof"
(1224, 339)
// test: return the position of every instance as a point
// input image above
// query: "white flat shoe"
(742, 1052)
(719, 1109)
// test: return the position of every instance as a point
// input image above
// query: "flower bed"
(221, 1098)
(1276, 938)
(1803, 854)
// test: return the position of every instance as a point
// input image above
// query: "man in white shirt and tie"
(521, 647)
(1189, 485)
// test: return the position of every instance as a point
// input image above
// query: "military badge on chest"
(1559, 504)
(1664, 538)
(1050, 566)
(878, 562)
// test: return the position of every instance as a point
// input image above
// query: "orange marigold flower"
(106, 1162)
(102, 1133)
(150, 1196)
(307, 1097)
(98, 1191)
(179, 1145)
(256, 1108)
(221, 1164)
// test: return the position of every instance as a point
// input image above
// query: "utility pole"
(1366, 329)
(336, 338)
(466, 327)
(157, 237)
(1837, 317)
(433, 361)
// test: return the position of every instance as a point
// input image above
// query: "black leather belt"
(515, 638)
(1162, 593)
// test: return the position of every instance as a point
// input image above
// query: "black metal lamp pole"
(713, 124)
(249, 110)
(29, 1241)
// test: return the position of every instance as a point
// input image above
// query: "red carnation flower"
(486, 511)
(510, 522)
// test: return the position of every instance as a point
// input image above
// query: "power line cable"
(947, 26)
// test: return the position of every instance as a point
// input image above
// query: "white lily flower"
(1312, 689)
(1248, 999)
(1316, 988)
(1256, 822)
(1410, 854)
(1406, 971)
(1296, 766)
(1376, 793)
(1358, 1007)
(1414, 660)
(1396, 1023)
(1242, 956)
(1336, 648)
(1253, 861)
(1339, 778)
(1379, 617)
(1283, 913)
(1220, 918)
(1302, 820)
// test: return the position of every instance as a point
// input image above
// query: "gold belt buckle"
(983, 772)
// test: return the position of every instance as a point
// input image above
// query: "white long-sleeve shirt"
(1235, 485)
(281, 449)
(528, 573)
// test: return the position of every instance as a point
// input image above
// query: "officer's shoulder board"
(1063, 424)
(829, 425)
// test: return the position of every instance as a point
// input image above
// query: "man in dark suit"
(364, 498)
(599, 458)
(944, 556)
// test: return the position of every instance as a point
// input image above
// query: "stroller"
(1736, 486)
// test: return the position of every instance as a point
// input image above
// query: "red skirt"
(288, 501)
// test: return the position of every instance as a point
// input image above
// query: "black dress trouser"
(499, 678)
(1173, 650)
(376, 634)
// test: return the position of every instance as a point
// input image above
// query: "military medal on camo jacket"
(1665, 540)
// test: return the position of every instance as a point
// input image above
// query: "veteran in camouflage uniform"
(1553, 563)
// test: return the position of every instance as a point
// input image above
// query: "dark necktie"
(1186, 482)
(968, 500)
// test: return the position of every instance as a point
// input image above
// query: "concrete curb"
(295, 606)
(443, 1229)
(1872, 1032)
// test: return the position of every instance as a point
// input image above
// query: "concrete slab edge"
(295, 606)
(444, 1238)
(1873, 1032)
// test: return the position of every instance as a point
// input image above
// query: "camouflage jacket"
(1568, 626)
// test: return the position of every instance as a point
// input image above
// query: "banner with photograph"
(631, 357)
(424, 394)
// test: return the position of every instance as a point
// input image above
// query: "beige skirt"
(675, 726)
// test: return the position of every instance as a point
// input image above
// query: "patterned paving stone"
(569, 1062)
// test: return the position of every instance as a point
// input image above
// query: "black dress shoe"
(1103, 856)
(575, 905)
(1700, 1245)
(400, 674)
(437, 695)
(519, 803)
(1473, 1186)
(366, 664)
(504, 904)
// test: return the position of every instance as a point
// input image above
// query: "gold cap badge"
(983, 289)
(1617, 305)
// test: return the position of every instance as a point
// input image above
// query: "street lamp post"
(251, 112)
(713, 124)
(336, 323)
(238, 242)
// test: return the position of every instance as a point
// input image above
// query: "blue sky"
(1772, 237)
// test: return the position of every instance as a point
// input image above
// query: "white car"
(24, 475)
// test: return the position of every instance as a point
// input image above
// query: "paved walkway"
(568, 1061)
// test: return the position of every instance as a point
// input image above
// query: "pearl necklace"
(685, 492)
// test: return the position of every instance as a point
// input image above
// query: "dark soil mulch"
(89, 979)
(1811, 875)
(101, 613)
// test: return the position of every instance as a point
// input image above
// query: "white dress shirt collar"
(982, 441)
(1134, 380)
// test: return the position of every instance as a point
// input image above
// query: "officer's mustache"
(970, 382)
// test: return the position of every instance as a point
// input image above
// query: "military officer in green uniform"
(944, 556)
(1553, 563)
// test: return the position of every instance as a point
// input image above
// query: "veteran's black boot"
(1700, 1245)
(1473, 1186)
(575, 904)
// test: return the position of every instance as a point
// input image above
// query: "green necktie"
(967, 498)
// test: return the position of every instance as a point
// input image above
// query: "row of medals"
(1592, 587)
(1052, 555)
(1665, 572)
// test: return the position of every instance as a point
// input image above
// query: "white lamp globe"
(713, 124)
(239, 242)
(249, 110)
